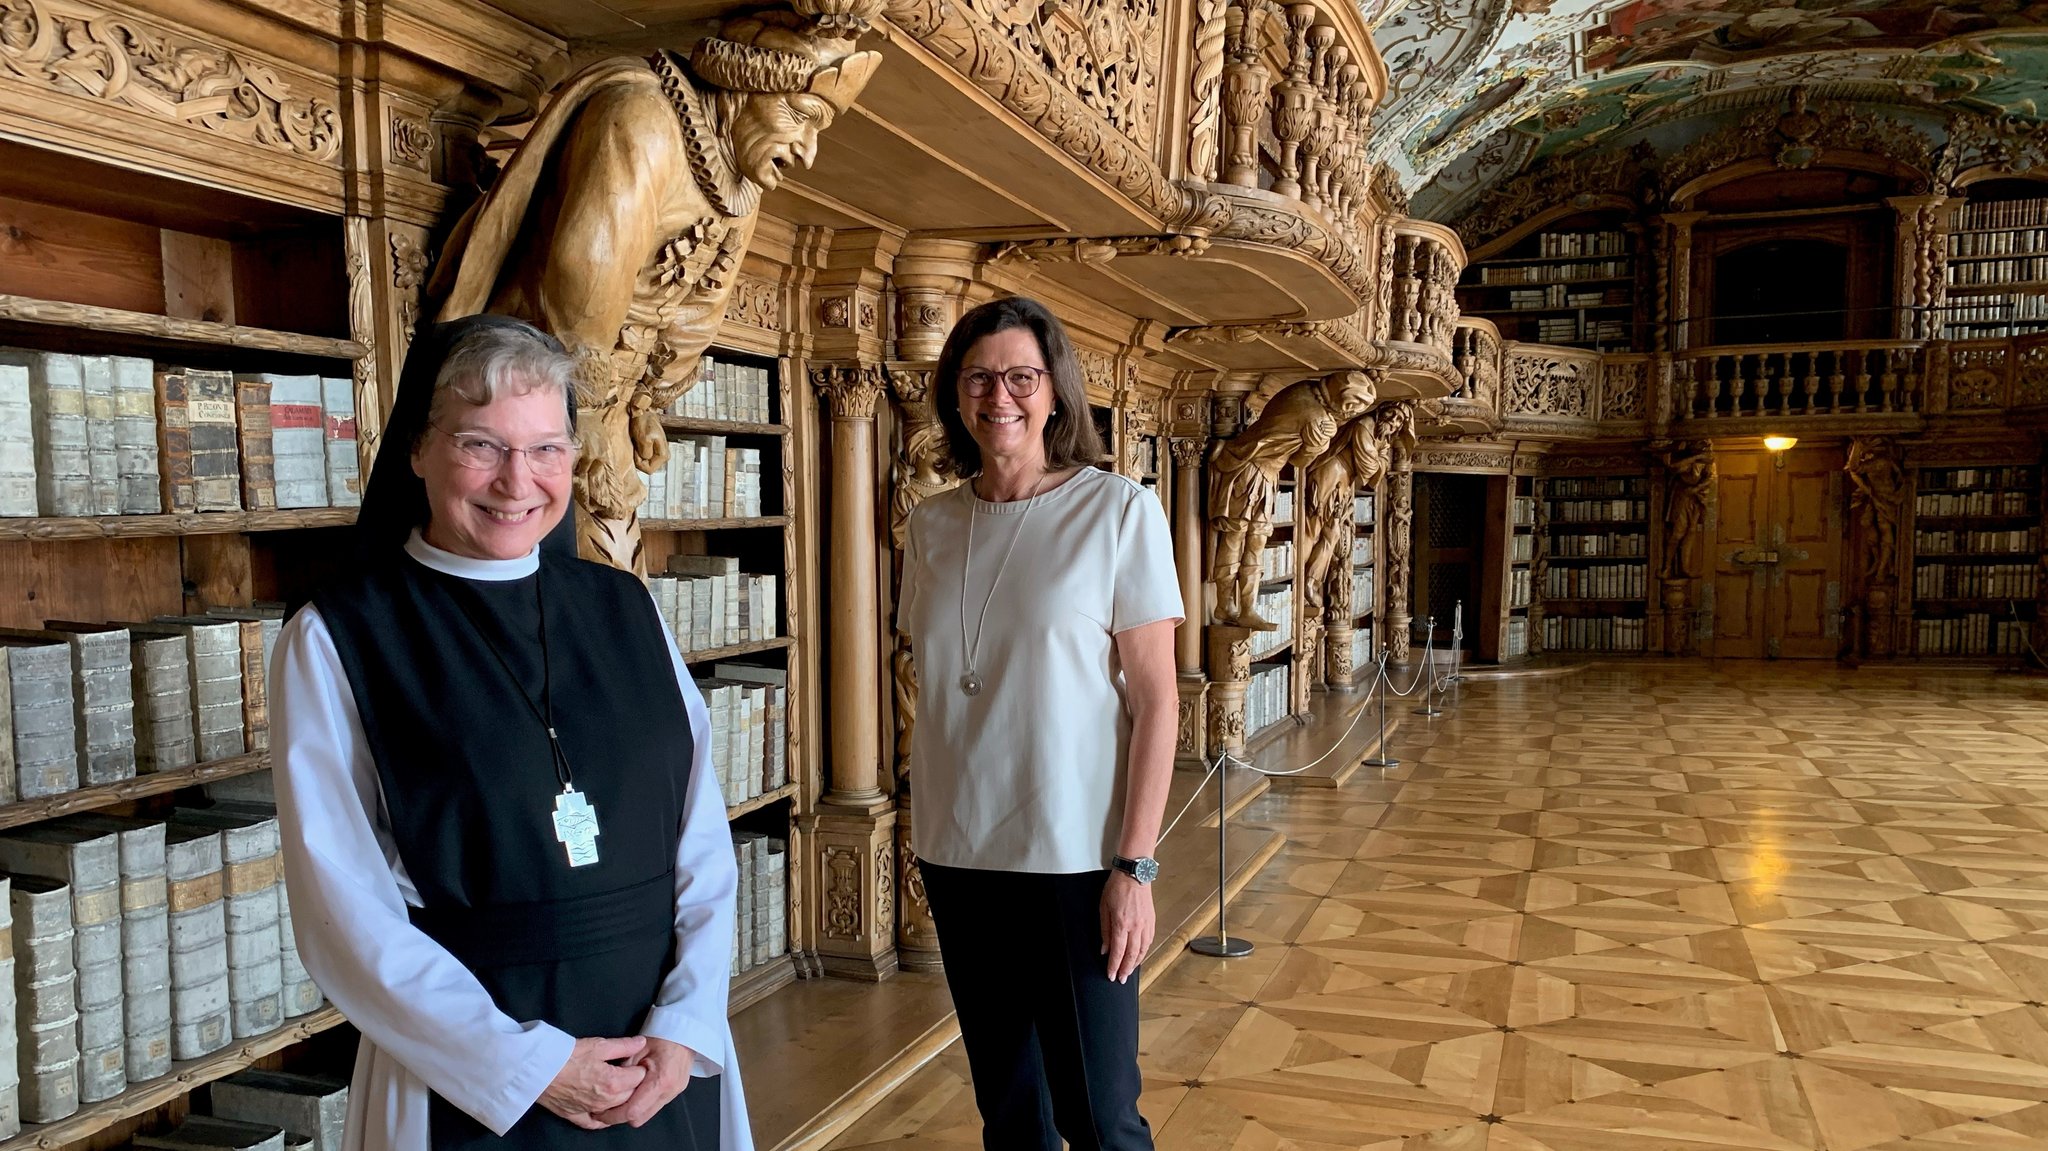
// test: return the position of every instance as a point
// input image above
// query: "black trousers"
(1052, 1044)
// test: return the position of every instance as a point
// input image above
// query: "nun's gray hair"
(501, 360)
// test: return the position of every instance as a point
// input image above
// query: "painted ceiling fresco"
(1482, 88)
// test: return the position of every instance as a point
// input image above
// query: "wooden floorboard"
(1671, 905)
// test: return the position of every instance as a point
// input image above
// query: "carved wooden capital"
(1187, 453)
(852, 391)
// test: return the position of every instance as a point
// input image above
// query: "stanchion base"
(1429, 711)
(1380, 761)
(1221, 947)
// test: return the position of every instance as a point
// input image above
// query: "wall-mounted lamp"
(1779, 443)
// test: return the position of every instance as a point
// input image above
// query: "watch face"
(1146, 870)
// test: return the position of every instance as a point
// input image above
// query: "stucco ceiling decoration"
(1528, 80)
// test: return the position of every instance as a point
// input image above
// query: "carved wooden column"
(1192, 746)
(1230, 670)
(1339, 613)
(1245, 80)
(1919, 287)
(1678, 271)
(1400, 549)
(854, 840)
(930, 279)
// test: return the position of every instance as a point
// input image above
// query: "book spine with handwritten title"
(252, 423)
(210, 413)
(250, 891)
(45, 998)
(174, 441)
(145, 939)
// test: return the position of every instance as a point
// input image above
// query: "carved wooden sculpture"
(1358, 457)
(916, 474)
(1691, 483)
(1877, 474)
(620, 223)
(1297, 426)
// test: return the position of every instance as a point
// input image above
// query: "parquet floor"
(1678, 906)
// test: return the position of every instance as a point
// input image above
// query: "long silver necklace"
(970, 682)
(575, 819)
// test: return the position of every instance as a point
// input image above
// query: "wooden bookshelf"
(178, 524)
(1977, 541)
(733, 651)
(1997, 269)
(1592, 548)
(696, 426)
(718, 525)
(152, 1094)
(28, 811)
(100, 321)
(1573, 286)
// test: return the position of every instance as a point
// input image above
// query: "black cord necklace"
(574, 818)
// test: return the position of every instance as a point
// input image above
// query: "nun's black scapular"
(457, 682)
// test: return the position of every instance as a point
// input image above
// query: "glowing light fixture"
(1779, 443)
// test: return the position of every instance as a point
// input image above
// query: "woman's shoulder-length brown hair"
(1070, 435)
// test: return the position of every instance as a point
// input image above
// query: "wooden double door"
(1777, 554)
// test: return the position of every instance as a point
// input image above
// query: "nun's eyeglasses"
(549, 458)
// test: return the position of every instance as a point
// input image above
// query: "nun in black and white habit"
(506, 848)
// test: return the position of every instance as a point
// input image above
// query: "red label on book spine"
(294, 416)
(341, 427)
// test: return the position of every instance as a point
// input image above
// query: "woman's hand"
(589, 1083)
(1127, 924)
(668, 1073)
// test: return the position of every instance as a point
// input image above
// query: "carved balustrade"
(1881, 377)
(1305, 76)
(1425, 264)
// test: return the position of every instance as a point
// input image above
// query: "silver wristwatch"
(1144, 869)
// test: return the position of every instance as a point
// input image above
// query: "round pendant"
(970, 683)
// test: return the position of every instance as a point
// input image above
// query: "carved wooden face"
(773, 131)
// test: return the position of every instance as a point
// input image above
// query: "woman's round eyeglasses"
(549, 458)
(1019, 381)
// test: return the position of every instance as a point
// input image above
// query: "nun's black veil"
(395, 502)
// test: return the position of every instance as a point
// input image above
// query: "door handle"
(1755, 557)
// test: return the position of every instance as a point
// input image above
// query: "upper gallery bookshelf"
(1596, 545)
(1976, 551)
(1575, 288)
(1998, 264)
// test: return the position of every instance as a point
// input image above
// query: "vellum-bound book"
(160, 694)
(210, 1132)
(135, 435)
(303, 1105)
(56, 396)
(302, 996)
(45, 999)
(10, 1043)
(249, 886)
(17, 443)
(344, 468)
(90, 863)
(103, 458)
(145, 939)
(103, 705)
(199, 942)
(298, 441)
(214, 652)
(259, 628)
(44, 719)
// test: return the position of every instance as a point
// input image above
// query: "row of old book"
(760, 927)
(138, 942)
(119, 435)
(704, 480)
(749, 723)
(262, 1111)
(83, 704)
(727, 391)
(707, 602)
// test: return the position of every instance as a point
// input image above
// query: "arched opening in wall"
(1781, 291)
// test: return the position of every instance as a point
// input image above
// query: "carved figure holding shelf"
(1691, 468)
(1297, 426)
(619, 224)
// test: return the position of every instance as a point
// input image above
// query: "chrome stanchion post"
(1383, 685)
(1221, 945)
(1457, 644)
(1428, 676)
